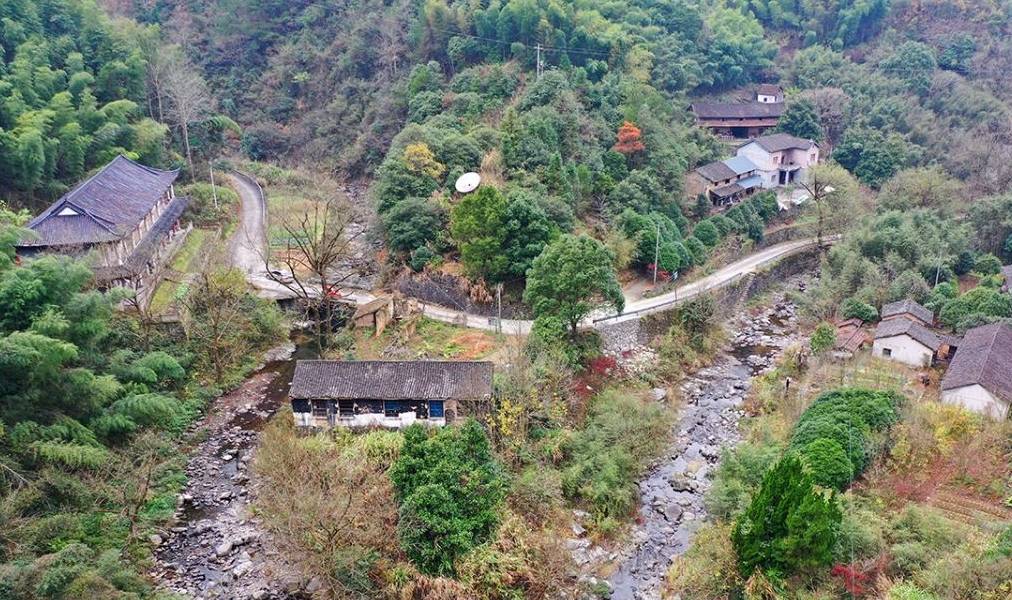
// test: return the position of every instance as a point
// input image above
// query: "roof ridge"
(988, 347)
(390, 360)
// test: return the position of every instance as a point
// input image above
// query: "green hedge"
(833, 436)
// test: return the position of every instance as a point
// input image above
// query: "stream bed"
(672, 492)
(216, 548)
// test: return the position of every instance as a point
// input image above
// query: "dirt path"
(217, 549)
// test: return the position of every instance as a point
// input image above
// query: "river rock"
(155, 539)
(223, 548)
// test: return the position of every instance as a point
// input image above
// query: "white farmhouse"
(906, 341)
(980, 376)
(781, 158)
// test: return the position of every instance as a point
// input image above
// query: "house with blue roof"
(724, 182)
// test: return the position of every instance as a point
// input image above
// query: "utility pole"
(657, 250)
(498, 301)
(540, 68)
(214, 189)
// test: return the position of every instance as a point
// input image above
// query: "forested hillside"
(72, 88)
(576, 115)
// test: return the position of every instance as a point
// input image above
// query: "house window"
(371, 407)
(436, 409)
(392, 408)
(320, 408)
(346, 408)
(887, 352)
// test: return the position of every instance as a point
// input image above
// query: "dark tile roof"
(769, 89)
(728, 190)
(716, 171)
(775, 142)
(907, 306)
(915, 330)
(391, 380)
(146, 248)
(984, 358)
(109, 205)
(738, 110)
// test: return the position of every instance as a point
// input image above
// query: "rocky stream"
(671, 494)
(216, 548)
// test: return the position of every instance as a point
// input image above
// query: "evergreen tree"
(789, 525)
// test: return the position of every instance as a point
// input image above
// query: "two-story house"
(724, 182)
(781, 158)
(124, 218)
(742, 120)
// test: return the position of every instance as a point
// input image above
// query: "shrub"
(697, 249)
(738, 476)
(848, 430)
(987, 264)
(166, 368)
(823, 338)
(604, 459)
(707, 233)
(828, 463)
(789, 524)
(855, 309)
(420, 257)
(148, 410)
(451, 488)
(877, 408)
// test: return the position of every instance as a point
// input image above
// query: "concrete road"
(249, 243)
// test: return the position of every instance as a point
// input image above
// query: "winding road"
(248, 246)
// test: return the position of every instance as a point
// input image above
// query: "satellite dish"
(467, 183)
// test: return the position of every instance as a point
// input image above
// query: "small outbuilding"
(375, 315)
(907, 309)
(381, 393)
(907, 341)
(980, 375)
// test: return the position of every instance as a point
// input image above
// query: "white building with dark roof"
(907, 341)
(382, 393)
(781, 158)
(125, 218)
(980, 375)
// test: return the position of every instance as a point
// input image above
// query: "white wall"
(368, 420)
(905, 349)
(976, 398)
(764, 99)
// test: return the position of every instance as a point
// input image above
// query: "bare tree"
(819, 191)
(317, 245)
(391, 44)
(187, 93)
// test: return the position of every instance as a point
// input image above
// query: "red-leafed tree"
(629, 139)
